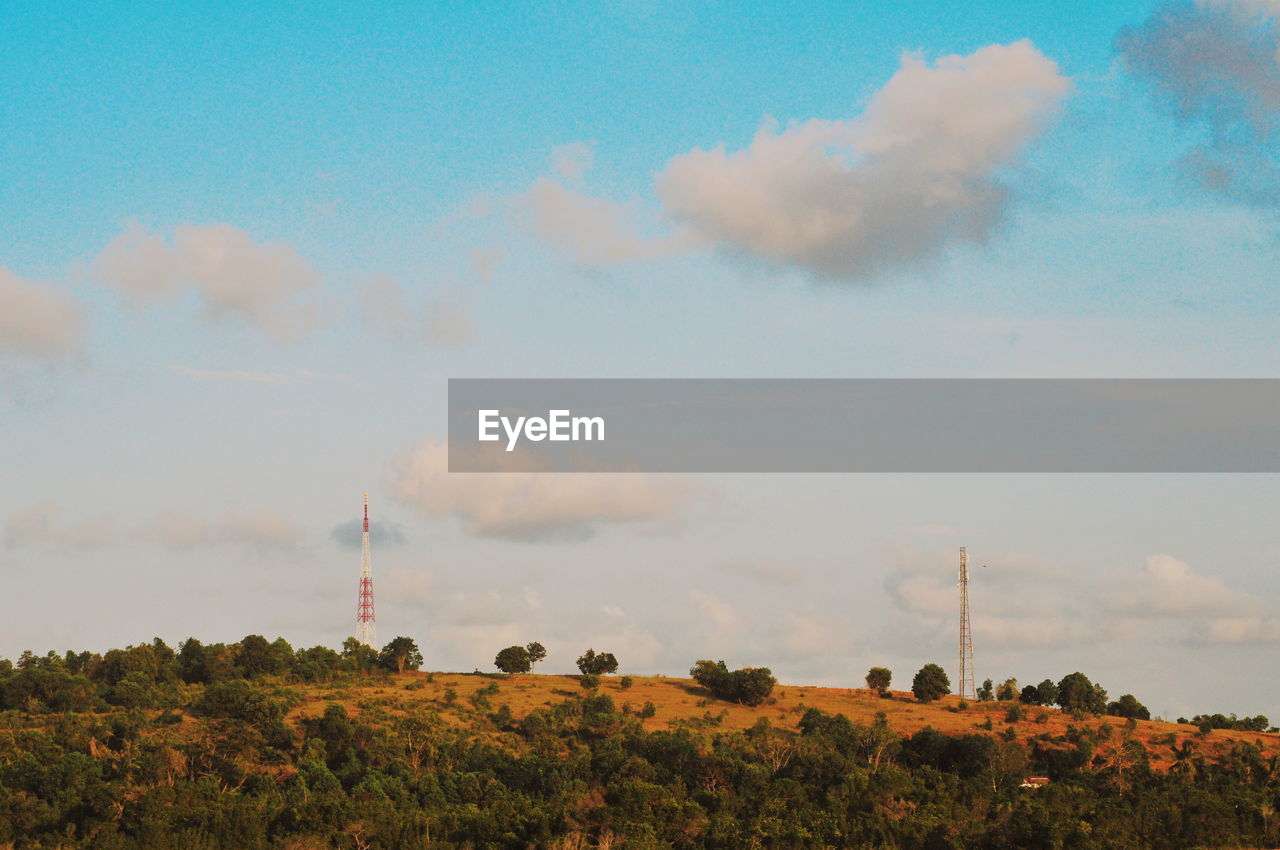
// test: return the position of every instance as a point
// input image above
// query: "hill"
(120, 755)
(681, 701)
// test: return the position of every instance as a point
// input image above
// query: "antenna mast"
(365, 632)
(965, 687)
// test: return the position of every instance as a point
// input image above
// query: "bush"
(589, 681)
(748, 686)
(878, 678)
(1128, 706)
(649, 710)
(625, 682)
(930, 683)
(237, 699)
(1013, 713)
(592, 663)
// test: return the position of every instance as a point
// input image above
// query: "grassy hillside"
(118, 757)
(681, 701)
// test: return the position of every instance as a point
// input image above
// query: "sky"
(245, 245)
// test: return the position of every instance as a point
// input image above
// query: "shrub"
(930, 683)
(649, 710)
(748, 686)
(591, 663)
(625, 682)
(878, 678)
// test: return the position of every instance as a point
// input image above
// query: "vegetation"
(592, 663)
(519, 659)
(930, 683)
(748, 686)
(256, 745)
(878, 679)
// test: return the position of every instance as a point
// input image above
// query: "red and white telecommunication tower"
(965, 688)
(365, 632)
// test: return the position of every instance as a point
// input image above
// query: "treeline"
(585, 774)
(147, 675)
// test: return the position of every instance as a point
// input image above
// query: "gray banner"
(864, 425)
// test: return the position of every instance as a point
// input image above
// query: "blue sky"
(245, 245)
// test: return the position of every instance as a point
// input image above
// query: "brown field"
(682, 699)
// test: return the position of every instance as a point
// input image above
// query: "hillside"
(682, 700)
(117, 758)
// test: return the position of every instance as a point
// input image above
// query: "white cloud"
(232, 275)
(37, 319)
(590, 231)
(533, 505)
(572, 161)
(1216, 64)
(41, 523)
(1168, 587)
(261, 529)
(441, 319)
(916, 171)
(724, 620)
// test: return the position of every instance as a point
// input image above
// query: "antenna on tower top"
(965, 687)
(365, 632)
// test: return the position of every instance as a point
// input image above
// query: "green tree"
(878, 678)
(1077, 693)
(537, 652)
(592, 663)
(930, 683)
(986, 692)
(1128, 706)
(749, 685)
(1008, 690)
(1048, 692)
(356, 656)
(513, 659)
(1030, 695)
(400, 655)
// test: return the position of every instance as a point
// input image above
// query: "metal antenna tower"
(965, 688)
(365, 632)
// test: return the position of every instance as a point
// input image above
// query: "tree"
(1128, 706)
(592, 663)
(254, 657)
(1030, 695)
(878, 678)
(513, 659)
(1007, 690)
(192, 668)
(984, 693)
(1048, 692)
(749, 685)
(537, 652)
(358, 656)
(930, 683)
(1077, 693)
(401, 654)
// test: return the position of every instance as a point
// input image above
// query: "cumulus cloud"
(232, 275)
(1216, 65)
(534, 505)
(381, 534)
(42, 523)
(1168, 587)
(916, 171)
(592, 232)
(37, 319)
(441, 319)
